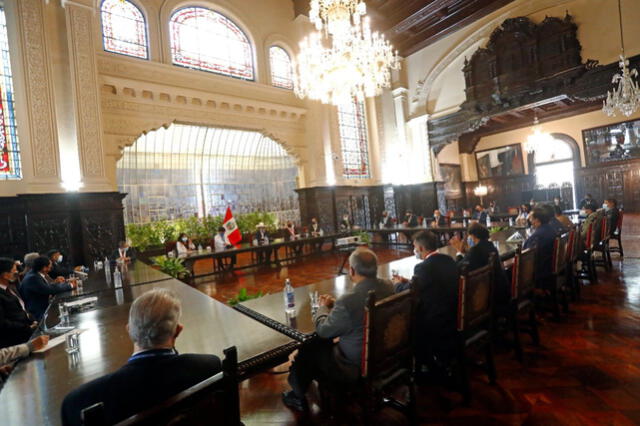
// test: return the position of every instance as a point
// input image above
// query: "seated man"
(542, 240)
(28, 264)
(261, 238)
(410, 220)
(123, 253)
(385, 220)
(594, 216)
(558, 227)
(221, 243)
(16, 324)
(35, 289)
(438, 219)
(154, 372)
(316, 231)
(435, 284)
(57, 267)
(13, 353)
(480, 214)
(475, 254)
(562, 218)
(341, 318)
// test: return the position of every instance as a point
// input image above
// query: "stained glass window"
(10, 167)
(281, 69)
(354, 140)
(123, 28)
(208, 41)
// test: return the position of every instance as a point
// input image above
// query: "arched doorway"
(554, 163)
(185, 170)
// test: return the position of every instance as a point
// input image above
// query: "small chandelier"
(625, 97)
(336, 16)
(538, 138)
(358, 65)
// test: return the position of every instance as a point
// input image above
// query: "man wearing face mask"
(610, 208)
(16, 324)
(435, 284)
(58, 269)
(316, 231)
(36, 291)
(342, 318)
(542, 240)
(476, 254)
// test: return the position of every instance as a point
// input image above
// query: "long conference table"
(34, 392)
(262, 332)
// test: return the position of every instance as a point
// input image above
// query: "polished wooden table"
(294, 249)
(270, 311)
(134, 273)
(34, 392)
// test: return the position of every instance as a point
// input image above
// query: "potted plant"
(243, 295)
(173, 266)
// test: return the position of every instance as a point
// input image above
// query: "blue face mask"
(470, 242)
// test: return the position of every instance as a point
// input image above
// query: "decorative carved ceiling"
(411, 25)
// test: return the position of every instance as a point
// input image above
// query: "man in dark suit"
(542, 240)
(476, 254)
(16, 325)
(410, 220)
(124, 253)
(35, 289)
(155, 371)
(57, 267)
(613, 214)
(261, 238)
(435, 283)
(385, 220)
(558, 227)
(438, 219)
(344, 319)
(480, 214)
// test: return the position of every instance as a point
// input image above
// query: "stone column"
(421, 160)
(33, 82)
(84, 75)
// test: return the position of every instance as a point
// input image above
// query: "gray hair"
(29, 258)
(153, 318)
(364, 262)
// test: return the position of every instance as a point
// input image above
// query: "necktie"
(16, 295)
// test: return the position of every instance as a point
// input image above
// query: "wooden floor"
(587, 371)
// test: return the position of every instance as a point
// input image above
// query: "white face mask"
(605, 206)
(185, 239)
(417, 254)
(470, 242)
(59, 259)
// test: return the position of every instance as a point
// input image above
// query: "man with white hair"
(154, 372)
(343, 318)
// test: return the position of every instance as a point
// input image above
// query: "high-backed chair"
(387, 358)
(523, 284)
(602, 245)
(573, 247)
(587, 270)
(559, 287)
(214, 398)
(616, 235)
(475, 321)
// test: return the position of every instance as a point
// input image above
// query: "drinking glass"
(72, 342)
(313, 296)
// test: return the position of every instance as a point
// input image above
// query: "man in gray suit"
(343, 318)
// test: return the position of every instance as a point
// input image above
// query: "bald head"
(154, 318)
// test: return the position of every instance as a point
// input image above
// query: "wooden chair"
(617, 236)
(387, 358)
(214, 398)
(602, 247)
(559, 287)
(587, 269)
(523, 284)
(475, 322)
(573, 246)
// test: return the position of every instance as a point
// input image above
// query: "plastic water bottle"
(510, 221)
(117, 278)
(200, 249)
(107, 267)
(488, 221)
(289, 297)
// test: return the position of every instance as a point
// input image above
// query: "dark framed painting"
(452, 178)
(500, 162)
(615, 142)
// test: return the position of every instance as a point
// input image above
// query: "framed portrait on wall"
(615, 142)
(452, 177)
(500, 162)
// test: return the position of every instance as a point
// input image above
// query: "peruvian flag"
(233, 232)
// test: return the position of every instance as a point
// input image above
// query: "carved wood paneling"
(613, 180)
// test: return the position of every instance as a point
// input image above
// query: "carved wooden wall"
(613, 180)
(84, 226)
(506, 191)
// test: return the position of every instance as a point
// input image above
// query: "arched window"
(10, 167)
(123, 29)
(281, 68)
(208, 41)
(354, 140)
(554, 166)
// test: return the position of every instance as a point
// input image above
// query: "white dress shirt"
(221, 242)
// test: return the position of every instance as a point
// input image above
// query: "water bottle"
(510, 221)
(107, 267)
(488, 221)
(200, 249)
(117, 279)
(289, 297)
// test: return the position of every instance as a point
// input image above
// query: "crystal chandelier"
(625, 97)
(353, 63)
(538, 138)
(336, 16)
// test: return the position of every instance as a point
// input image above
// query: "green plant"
(173, 266)
(243, 295)
(365, 237)
(495, 229)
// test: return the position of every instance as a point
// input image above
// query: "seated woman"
(184, 245)
(523, 215)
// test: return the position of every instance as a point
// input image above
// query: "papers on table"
(81, 302)
(515, 238)
(57, 340)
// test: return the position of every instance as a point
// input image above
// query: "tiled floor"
(587, 371)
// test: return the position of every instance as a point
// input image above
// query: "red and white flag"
(232, 230)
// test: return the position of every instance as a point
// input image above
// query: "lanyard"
(153, 353)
